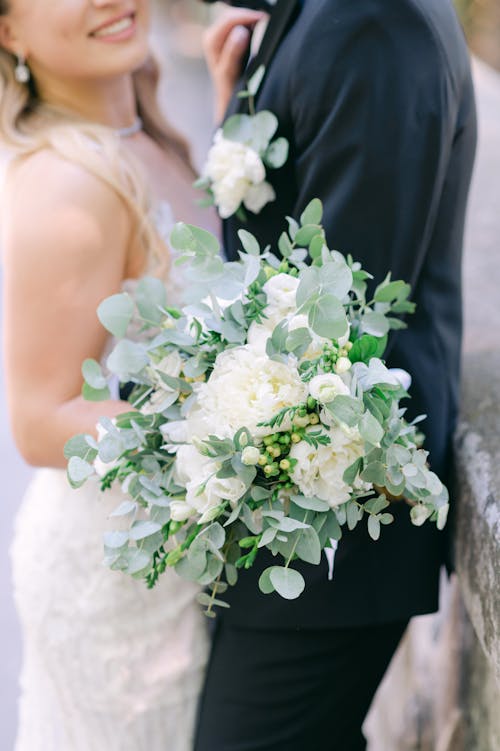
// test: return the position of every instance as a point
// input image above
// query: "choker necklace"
(131, 130)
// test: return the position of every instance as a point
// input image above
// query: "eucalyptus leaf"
(84, 446)
(79, 471)
(327, 317)
(277, 153)
(115, 540)
(249, 242)
(93, 375)
(313, 213)
(370, 428)
(310, 503)
(95, 395)
(265, 584)
(308, 546)
(375, 324)
(151, 299)
(287, 582)
(142, 529)
(138, 561)
(115, 313)
(127, 358)
(374, 527)
(124, 509)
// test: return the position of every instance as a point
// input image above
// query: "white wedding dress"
(108, 665)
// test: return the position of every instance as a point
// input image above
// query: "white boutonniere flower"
(243, 149)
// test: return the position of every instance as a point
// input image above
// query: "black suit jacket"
(376, 100)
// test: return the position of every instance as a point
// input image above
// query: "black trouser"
(301, 690)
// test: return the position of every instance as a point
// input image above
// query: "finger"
(216, 36)
(233, 51)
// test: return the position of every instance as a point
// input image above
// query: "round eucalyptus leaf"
(288, 583)
(127, 358)
(92, 373)
(115, 314)
(313, 213)
(327, 317)
(138, 561)
(142, 529)
(79, 471)
(265, 584)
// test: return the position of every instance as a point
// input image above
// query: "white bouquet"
(262, 414)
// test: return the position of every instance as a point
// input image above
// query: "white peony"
(238, 175)
(258, 196)
(319, 471)
(245, 388)
(175, 431)
(324, 388)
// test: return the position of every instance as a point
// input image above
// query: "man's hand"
(225, 44)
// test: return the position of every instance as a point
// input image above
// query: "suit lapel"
(280, 20)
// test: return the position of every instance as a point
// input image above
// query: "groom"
(375, 98)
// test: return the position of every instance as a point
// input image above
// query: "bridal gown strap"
(108, 665)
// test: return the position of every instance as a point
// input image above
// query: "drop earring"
(22, 72)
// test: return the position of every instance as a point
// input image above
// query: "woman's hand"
(225, 44)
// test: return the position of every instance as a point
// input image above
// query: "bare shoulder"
(45, 179)
(52, 201)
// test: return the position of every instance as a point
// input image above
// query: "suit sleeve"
(372, 106)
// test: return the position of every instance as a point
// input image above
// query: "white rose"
(402, 376)
(319, 472)
(171, 365)
(259, 333)
(236, 172)
(258, 196)
(244, 389)
(250, 456)
(235, 159)
(175, 431)
(181, 511)
(281, 293)
(191, 465)
(229, 195)
(342, 365)
(215, 491)
(324, 388)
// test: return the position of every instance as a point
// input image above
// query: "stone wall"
(442, 691)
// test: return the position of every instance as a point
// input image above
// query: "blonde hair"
(27, 125)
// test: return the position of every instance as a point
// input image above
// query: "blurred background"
(187, 100)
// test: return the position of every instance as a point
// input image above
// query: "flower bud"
(250, 456)
(301, 421)
(343, 365)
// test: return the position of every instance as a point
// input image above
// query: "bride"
(88, 202)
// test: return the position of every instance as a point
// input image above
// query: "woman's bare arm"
(66, 238)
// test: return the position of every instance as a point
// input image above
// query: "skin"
(225, 44)
(67, 238)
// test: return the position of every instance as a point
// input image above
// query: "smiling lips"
(115, 29)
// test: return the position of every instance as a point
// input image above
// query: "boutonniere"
(243, 149)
